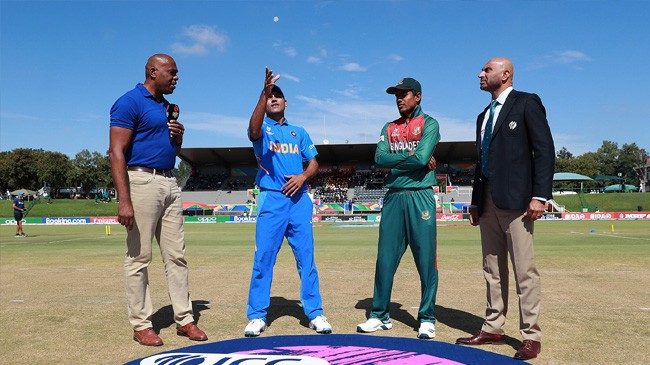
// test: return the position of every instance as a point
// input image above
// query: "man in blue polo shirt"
(143, 147)
(283, 207)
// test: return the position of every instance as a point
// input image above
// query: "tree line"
(26, 168)
(628, 162)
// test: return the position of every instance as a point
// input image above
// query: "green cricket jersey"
(419, 134)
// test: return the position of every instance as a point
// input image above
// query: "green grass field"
(62, 291)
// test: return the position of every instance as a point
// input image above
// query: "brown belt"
(165, 173)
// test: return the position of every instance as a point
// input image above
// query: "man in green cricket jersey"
(408, 217)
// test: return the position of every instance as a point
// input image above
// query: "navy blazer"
(521, 155)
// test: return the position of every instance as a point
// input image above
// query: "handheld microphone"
(173, 111)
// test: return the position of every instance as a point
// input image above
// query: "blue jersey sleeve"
(307, 148)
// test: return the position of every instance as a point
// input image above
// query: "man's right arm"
(120, 138)
(255, 123)
(383, 156)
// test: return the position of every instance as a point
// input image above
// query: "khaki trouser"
(158, 214)
(503, 232)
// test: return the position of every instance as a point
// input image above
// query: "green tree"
(631, 161)
(587, 164)
(22, 169)
(608, 155)
(104, 177)
(5, 169)
(89, 171)
(182, 173)
(53, 168)
(563, 160)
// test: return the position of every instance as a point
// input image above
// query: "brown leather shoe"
(192, 331)
(482, 338)
(528, 350)
(147, 337)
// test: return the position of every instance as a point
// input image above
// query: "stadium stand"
(222, 176)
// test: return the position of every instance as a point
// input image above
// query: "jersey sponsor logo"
(268, 131)
(294, 134)
(290, 148)
(403, 146)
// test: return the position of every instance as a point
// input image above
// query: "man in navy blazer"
(512, 183)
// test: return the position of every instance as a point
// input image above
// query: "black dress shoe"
(482, 338)
(528, 350)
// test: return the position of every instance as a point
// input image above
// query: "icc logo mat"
(327, 350)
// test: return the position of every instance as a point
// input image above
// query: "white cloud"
(201, 39)
(194, 49)
(349, 93)
(291, 52)
(352, 67)
(314, 59)
(570, 56)
(290, 77)
(395, 58)
(566, 57)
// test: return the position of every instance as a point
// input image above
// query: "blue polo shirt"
(20, 203)
(280, 151)
(140, 112)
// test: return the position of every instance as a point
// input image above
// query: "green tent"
(619, 187)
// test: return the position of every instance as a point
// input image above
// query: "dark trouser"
(408, 218)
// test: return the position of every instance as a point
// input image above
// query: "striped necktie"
(487, 136)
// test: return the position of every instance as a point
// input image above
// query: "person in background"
(143, 148)
(512, 183)
(19, 210)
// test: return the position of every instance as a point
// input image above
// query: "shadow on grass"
(466, 322)
(282, 307)
(164, 317)
(454, 318)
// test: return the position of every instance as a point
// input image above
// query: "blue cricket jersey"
(140, 112)
(281, 150)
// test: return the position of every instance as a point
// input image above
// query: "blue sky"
(64, 63)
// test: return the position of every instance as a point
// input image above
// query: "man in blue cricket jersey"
(283, 207)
